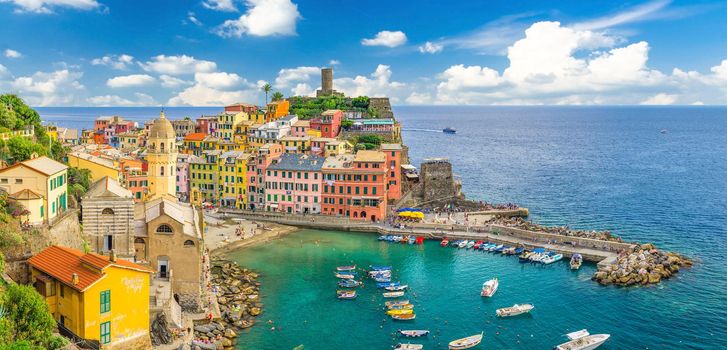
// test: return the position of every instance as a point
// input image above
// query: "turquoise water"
(298, 289)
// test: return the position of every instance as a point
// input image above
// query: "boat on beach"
(400, 312)
(514, 310)
(346, 294)
(393, 294)
(467, 342)
(576, 261)
(414, 333)
(490, 287)
(346, 268)
(401, 346)
(404, 317)
(582, 340)
(395, 303)
(396, 288)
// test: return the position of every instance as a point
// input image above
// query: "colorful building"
(206, 125)
(98, 166)
(183, 161)
(337, 147)
(183, 127)
(134, 177)
(227, 123)
(101, 299)
(256, 168)
(241, 107)
(203, 174)
(40, 185)
(293, 144)
(393, 164)
(329, 123)
(354, 186)
(300, 128)
(232, 179)
(192, 143)
(293, 184)
(130, 140)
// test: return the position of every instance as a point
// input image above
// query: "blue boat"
(387, 284)
(502, 249)
(519, 250)
(383, 279)
(380, 268)
(349, 284)
(449, 130)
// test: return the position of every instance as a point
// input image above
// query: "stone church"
(166, 233)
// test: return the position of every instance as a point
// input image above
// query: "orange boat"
(405, 317)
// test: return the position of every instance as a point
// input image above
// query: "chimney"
(112, 255)
(74, 279)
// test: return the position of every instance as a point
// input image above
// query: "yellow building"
(203, 174)
(293, 144)
(130, 140)
(97, 298)
(232, 179)
(40, 185)
(227, 124)
(161, 157)
(337, 147)
(99, 167)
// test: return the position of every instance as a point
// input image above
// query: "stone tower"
(161, 156)
(327, 80)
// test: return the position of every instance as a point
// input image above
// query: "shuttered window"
(105, 301)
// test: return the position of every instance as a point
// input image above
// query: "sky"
(422, 52)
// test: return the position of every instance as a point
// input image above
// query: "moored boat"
(401, 346)
(394, 303)
(444, 242)
(393, 294)
(582, 340)
(477, 245)
(576, 261)
(396, 288)
(401, 307)
(414, 333)
(551, 258)
(467, 342)
(346, 294)
(404, 317)
(400, 312)
(349, 283)
(525, 255)
(514, 310)
(490, 287)
(346, 268)
(382, 279)
(345, 275)
(463, 244)
(386, 284)
(380, 268)
(470, 244)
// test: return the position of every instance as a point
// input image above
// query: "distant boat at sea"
(449, 130)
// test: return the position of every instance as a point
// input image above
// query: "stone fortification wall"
(437, 180)
(382, 106)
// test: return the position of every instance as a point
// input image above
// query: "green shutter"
(106, 332)
(105, 301)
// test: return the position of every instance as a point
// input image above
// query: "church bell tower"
(161, 156)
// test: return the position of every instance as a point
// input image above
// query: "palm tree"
(267, 88)
(277, 96)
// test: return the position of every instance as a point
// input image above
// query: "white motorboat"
(514, 310)
(463, 244)
(490, 287)
(409, 347)
(466, 343)
(396, 288)
(576, 261)
(470, 244)
(393, 294)
(551, 258)
(582, 340)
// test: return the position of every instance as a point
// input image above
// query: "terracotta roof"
(25, 194)
(62, 262)
(195, 136)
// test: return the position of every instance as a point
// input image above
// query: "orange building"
(134, 177)
(393, 165)
(354, 186)
(277, 110)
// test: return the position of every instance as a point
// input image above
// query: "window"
(107, 211)
(18, 181)
(63, 291)
(105, 301)
(188, 243)
(106, 332)
(164, 228)
(161, 171)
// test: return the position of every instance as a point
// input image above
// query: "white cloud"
(660, 99)
(178, 65)
(3, 74)
(46, 6)
(49, 88)
(263, 18)
(10, 53)
(220, 5)
(216, 89)
(386, 38)
(378, 84)
(334, 62)
(119, 62)
(219, 80)
(130, 80)
(192, 18)
(637, 13)
(115, 100)
(721, 70)
(288, 77)
(419, 98)
(171, 82)
(303, 89)
(430, 47)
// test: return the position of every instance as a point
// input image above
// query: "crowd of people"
(520, 223)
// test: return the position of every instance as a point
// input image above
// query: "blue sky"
(212, 52)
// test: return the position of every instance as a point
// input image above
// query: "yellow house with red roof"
(100, 299)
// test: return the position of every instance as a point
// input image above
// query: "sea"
(648, 174)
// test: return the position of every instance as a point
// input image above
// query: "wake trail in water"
(420, 130)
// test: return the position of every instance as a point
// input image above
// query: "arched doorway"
(363, 214)
(373, 218)
(163, 266)
(139, 249)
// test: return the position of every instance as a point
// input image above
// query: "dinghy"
(386, 284)
(463, 243)
(576, 261)
(514, 310)
(396, 288)
(400, 312)
(490, 287)
(582, 340)
(380, 268)
(393, 294)
(525, 255)
(395, 303)
(346, 268)
(551, 258)
(405, 317)
(414, 333)
(470, 244)
(444, 242)
(349, 283)
(466, 343)
(345, 276)
(477, 245)
(401, 307)
(346, 294)
(408, 347)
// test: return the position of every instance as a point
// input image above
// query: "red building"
(393, 167)
(241, 107)
(329, 123)
(354, 186)
(206, 125)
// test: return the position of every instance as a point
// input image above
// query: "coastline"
(261, 233)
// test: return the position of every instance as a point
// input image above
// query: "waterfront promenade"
(599, 251)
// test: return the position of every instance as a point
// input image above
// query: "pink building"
(256, 166)
(300, 128)
(318, 145)
(183, 176)
(293, 184)
(329, 123)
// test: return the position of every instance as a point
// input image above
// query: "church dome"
(162, 128)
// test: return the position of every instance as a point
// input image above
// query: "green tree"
(21, 148)
(27, 319)
(346, 123)
(372, 139)
(360, 102)
(277, 96)
(266, 88)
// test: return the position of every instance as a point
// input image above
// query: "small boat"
(345, 276)
(383, 279)
(508, 250)
(514, 310)
(393, 294)
(518, 251)
(576, 261)
(444, 242)
(349, 283)
(525, 255)
(396, 288)
(490, 287)
(664, 131)
(456, 243)
(380, 268)
(470, 244)
(582, 340)
(463, 244)
(382, 238)
(401, 307)
(395, 303)
(551, 258)
(380, 273)
(400, 312)
(449, 130)
(412, 239)
(346, 294)
(499, 248)
(401, 346)
(466, 343)
(404, 317)
(346, 268)
(477, 245)
(386, 284)
(414, 333)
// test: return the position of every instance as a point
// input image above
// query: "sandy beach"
(221, 234)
